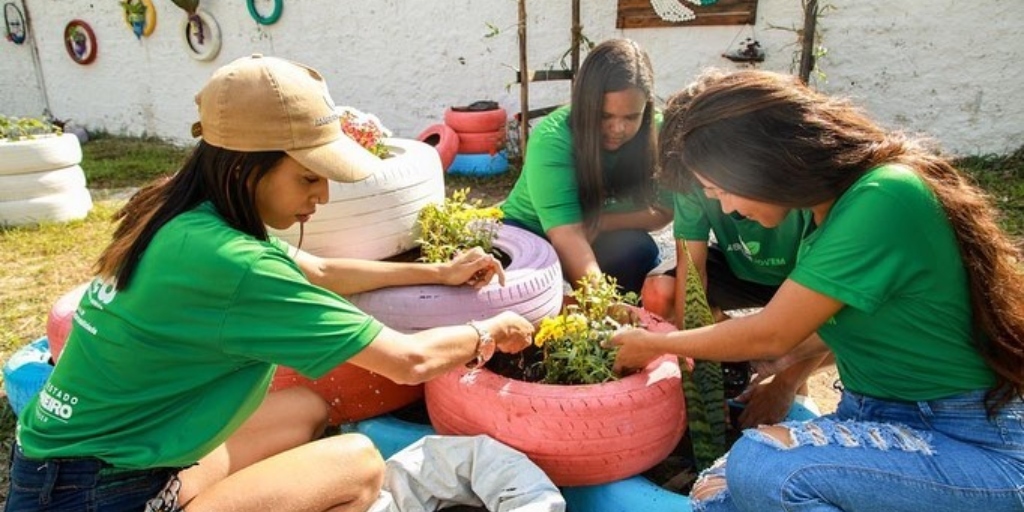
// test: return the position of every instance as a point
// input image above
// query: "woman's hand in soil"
(512, 333)
(473, 267)
(634, 353)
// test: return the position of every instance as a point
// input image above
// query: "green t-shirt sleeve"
(690, 221)
(551, 176)
(865, 250)
(279, 317)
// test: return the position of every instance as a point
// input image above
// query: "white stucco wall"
(946, 67)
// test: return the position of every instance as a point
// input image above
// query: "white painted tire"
(376, 218)
(17, 187)
(66, 206)
(39, 154)
(533, 288)
(211, 37)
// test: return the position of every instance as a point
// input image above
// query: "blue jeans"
(879, 455)
(628, 255)
(80, 485)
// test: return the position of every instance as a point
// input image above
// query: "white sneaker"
(808, 403)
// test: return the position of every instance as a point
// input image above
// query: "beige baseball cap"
(261, 103)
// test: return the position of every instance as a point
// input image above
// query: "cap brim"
(343, 160)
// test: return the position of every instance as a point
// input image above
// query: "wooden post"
(577, 38)
(524, 84)
(807, 50)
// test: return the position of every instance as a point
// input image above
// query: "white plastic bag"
(443, 471)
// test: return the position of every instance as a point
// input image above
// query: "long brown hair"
(224, 177)
(768, 137)
(612, 66)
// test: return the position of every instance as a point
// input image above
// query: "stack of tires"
(41, 181)
(480, 130)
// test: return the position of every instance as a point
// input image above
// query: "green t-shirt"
(754, 253)
(546, 194)
(887, 251)
(159, 374)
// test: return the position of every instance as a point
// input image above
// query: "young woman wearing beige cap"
(160, 399)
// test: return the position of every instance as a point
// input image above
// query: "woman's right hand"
(511, 332)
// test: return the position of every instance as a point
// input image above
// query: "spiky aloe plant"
(703, 385)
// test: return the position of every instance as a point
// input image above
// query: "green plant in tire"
(15, 128)
(456, 225)
(572, 342)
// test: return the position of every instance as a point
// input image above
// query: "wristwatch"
(484, 346)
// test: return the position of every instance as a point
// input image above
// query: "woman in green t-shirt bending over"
(587, 180)
(159, 401)
(904, 274)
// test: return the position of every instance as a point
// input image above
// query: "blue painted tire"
(391, 435)
(479, 164)
(25, 373)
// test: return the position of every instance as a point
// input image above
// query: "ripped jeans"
(878, 455)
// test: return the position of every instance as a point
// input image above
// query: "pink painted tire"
(352, 393)
(476, 121)
(444, 139)
(579, 435)
(533, 288)
(486, 143)
(58, 322)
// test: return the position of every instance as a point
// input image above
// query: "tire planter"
(25, 373)
(391, 435)
(467, 164)
(475, 121)
(58, 321)
(579, 435)
(145, 26)
(533, 288)
(481, 143)
(62, 207)
(444, 139)
(80, 42)
(376, 218)
(16, 187)
(352, 393)
(201, 35)
(269, 19)
(14, 23)
(39, 154)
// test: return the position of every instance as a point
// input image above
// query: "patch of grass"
(1003, 178)
(117, 162)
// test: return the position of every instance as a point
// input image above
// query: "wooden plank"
(544, 75)
(640, 14)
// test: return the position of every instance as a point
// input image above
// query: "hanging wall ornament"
(80, 42)
(140, 15)
(265, 20)
(14, 22)
(675, 11)
(202, 35)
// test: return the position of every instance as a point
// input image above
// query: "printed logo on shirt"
(102, 293)
(55, 403)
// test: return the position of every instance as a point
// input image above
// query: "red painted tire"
(58, 322)
(579, 435)
(476, 121)
(533, 288)
(444, 139)
(352, 393)
(481, 143)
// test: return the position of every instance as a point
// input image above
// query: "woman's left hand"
(633, 353)
(473, 267)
